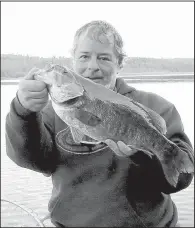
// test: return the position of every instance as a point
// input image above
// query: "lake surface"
(33, 190)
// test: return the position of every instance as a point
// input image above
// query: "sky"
(148, 29)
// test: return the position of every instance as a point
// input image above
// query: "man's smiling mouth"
(95, 78)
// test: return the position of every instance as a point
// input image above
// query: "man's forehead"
(86, 48)
(88, 44)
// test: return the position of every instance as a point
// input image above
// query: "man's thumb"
(30, 74)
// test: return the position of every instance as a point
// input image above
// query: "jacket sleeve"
(29, 138)
(150, 170)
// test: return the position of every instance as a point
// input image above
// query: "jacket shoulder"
(164, 108)
(152, 101)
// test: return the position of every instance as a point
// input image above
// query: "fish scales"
(110, 118)
(93, 110)
(114, 122)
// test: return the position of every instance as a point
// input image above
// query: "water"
(33, 190)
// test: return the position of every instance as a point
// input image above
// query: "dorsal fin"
(155, 119)
(159, 123)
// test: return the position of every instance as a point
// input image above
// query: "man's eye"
(84, 57)
(104, 58)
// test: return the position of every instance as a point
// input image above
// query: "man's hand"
(32, 94)
(122, 150)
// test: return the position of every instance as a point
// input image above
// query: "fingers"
(38, 94)
(34, 101)
(114, 147)
(30, 74)
(35, 105)
(32, 94)
(29, 84)
(32, 85)
(120, 148)
(37, 100)
(125, 149)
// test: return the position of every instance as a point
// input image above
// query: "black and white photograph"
(97, 114)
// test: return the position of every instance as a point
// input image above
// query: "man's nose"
(93, 64)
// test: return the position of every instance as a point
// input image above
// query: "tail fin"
(176, 162)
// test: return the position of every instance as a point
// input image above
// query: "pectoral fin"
(89, 140)
(79, 137)
(87, 118)
(77, 134)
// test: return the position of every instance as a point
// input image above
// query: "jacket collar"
(122, 87)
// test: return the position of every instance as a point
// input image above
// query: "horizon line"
(69, 57)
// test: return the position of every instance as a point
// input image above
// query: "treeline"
(15, 66)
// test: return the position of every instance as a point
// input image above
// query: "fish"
(95, 113)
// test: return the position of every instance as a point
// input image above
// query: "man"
(95, 185)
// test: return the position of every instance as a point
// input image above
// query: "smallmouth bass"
(95, 113)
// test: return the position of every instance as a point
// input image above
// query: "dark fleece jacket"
(91, 185)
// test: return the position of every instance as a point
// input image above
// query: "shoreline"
(133, 78)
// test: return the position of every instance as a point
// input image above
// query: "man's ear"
(118, 70)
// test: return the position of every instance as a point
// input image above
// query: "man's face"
(96, 61)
